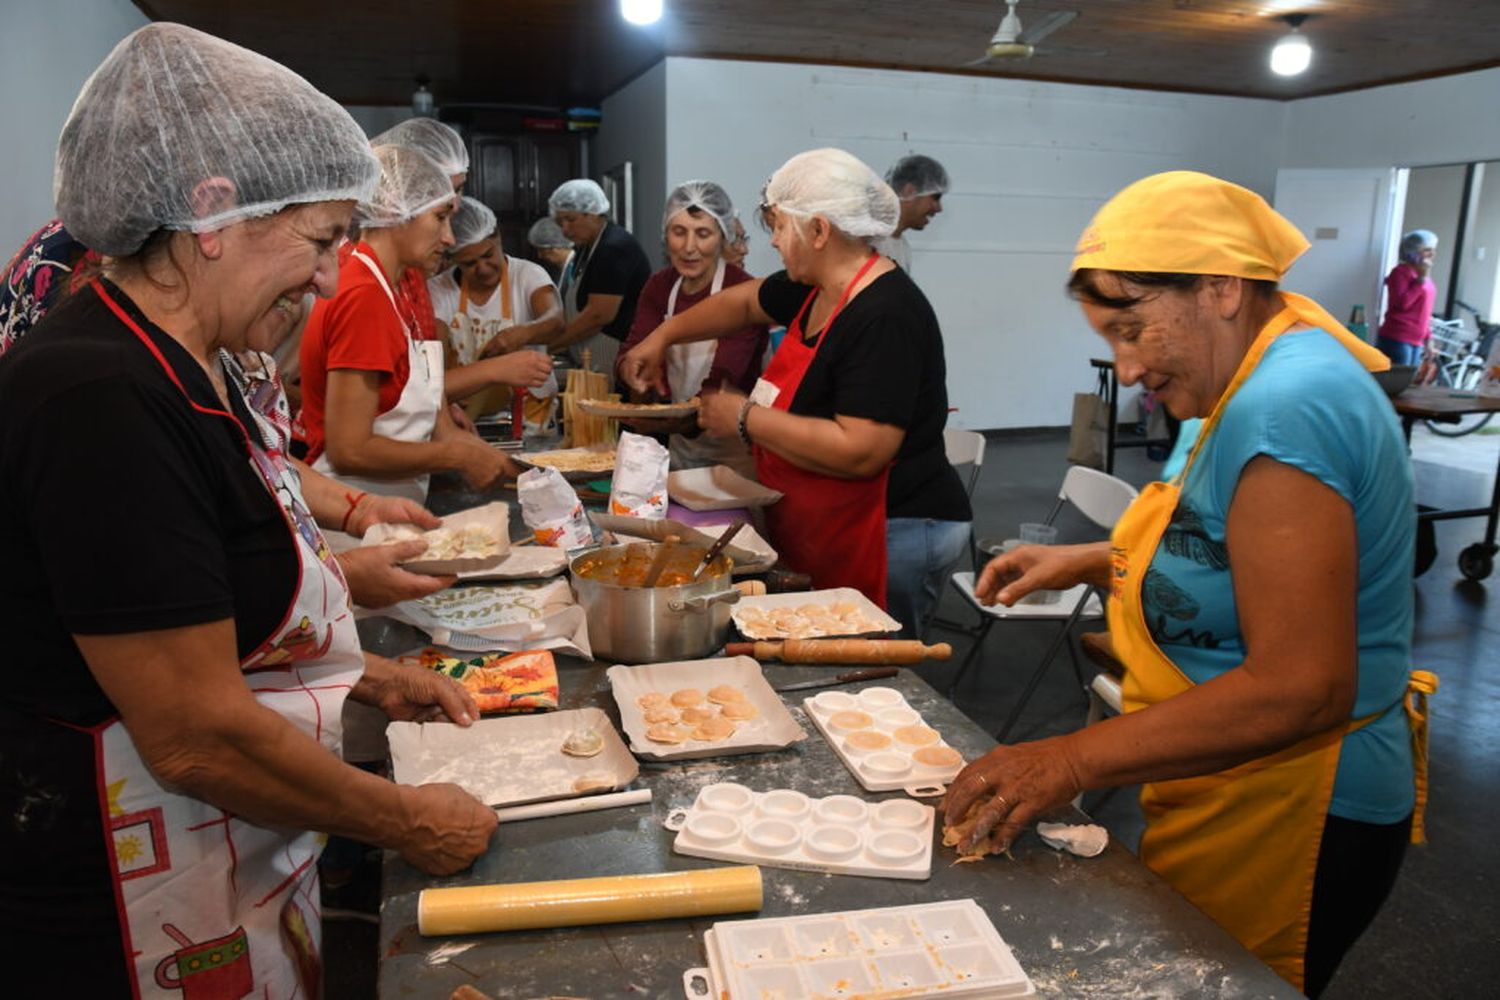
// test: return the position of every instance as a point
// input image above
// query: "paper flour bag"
(552, 510)
(639, 487)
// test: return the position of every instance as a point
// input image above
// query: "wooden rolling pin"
(896, 651)
(475, 909)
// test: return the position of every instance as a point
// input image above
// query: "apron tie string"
(1419, 685)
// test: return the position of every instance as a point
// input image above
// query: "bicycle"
(1456, 361)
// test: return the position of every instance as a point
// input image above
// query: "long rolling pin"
(898, 651)
(611, 899)
(563, 807)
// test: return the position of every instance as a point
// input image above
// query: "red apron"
(832, 529)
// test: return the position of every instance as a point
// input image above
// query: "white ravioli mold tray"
(783, 828)
(948, 949)
(882, 740)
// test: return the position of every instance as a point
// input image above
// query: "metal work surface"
(1100, 927)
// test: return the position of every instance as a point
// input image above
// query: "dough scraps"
(1084, 840)
(953, 835)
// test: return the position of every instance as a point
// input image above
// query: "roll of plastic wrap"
(574, 902)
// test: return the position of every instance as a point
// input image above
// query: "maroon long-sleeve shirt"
(738, 357)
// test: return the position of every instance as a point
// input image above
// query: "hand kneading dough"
(725, 693)
(667, 733)
(952, 835)
(739, 710)
(714, 730)
(687, 697)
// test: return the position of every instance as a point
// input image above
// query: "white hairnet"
(838, 186)
(410, 184)
(430, 137)
(545, 232)
(705, 195)
(578, 195)
(171, 108)
(471, 223)
(923, 173)
(1419, 239)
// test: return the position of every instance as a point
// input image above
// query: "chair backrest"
(965, 448)
(1100, 497)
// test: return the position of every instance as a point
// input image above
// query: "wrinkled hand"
(373, 509)
(1012, 575)
(410, 693)
(443, 828)
(719, 412)
(643, 367)
(522, 368)
(1024, 782)
(376, 579)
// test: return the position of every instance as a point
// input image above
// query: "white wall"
(48, 48)
(1450, 119)
(1346, 215)
(635, 128)
(1029, 162)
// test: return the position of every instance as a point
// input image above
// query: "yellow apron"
(494, 398)
(1241, 844)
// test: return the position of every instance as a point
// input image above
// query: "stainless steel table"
(1100, 927)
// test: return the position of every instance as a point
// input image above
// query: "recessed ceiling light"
(641, 11)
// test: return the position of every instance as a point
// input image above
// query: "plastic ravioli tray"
(783, 828)
(948, 949)
(882, 740)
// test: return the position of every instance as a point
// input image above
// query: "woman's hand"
(374, 509)
(1012, 575)
(520, 368)
(505, 342)
(1017, 784)
(408, 693)
(719, 412)
(483, 466)
(443, 828)
(376, 579)
(643, 367)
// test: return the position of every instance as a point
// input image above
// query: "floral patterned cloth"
(519, 682)
(48, 266)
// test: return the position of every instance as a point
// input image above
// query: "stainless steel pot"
(631, 624)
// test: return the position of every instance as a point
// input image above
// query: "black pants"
(1357, 866)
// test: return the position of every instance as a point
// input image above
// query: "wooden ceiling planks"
(563, 52)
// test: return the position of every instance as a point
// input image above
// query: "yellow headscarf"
(1184, 222)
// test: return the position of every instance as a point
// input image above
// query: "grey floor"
(1439, 934)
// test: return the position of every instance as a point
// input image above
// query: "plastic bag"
(639, 487)
(551, 509)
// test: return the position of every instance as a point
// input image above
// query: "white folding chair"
(1101, 498)
(965, 452)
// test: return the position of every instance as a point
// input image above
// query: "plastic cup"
(1040, 534)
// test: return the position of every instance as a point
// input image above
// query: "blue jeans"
(920, 555)
(1399, 351)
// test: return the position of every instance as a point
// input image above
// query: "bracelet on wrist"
(353, 500)
(745, 409)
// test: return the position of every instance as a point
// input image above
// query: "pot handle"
(705, 602)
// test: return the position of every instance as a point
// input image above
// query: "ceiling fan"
(1011, 41)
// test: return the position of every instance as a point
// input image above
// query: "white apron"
(468, 334)
(213, 906)
(415, 414)
(687, 366)
(602, 348)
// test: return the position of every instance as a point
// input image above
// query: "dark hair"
(1084, 286)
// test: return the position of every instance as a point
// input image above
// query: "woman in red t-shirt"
(373, 409)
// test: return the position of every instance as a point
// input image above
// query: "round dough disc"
(725, 693)
(699, 713)
(687, 697)
(667, 733)
(714, 730)
(739, 710)
(937, 756)
(916, 736)
(656, 716)
(851, 720)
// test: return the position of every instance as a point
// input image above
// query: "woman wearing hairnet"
(603, 280)
(696, 226)
(1409, 295)
(492, 306)
(374, 413)
(552, 248)
(847, 421)
(160, 768)
(1261, 602)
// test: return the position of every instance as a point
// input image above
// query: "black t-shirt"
(883, 361)
(617, 266)
(122, 509)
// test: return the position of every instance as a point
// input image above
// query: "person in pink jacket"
(1409, 295)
